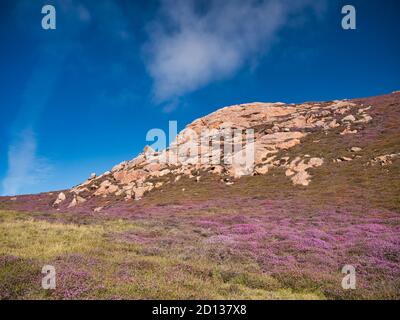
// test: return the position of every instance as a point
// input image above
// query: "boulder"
(60, 198)
(349, 118)
(127, 176)
(80, 200)
(76, 201)
(301, 178)
(164, 172)
(139, 192)
(316, 162)
(119, 167)
(262, 170)
(289, 173)
(158, 185)
(73, 203)
(348, 131)
(333, 124)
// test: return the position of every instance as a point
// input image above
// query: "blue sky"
(81, 98)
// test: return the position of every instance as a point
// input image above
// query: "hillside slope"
(324, 193)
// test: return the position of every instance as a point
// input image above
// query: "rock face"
(61, 198)
(265, 131)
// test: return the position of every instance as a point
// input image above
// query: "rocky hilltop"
(277, 129)
(321, 192)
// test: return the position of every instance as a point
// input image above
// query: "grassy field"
(115, 259)
(234, 248)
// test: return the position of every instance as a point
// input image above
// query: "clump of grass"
(44, 240)
(18, 277)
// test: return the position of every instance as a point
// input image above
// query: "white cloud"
(191, 45)
(25, 168)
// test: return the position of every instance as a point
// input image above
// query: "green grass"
(43, 240)
(121, 269)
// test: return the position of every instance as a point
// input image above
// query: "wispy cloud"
(192, 43)
(25, 167)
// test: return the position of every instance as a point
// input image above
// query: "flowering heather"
(17, 277)
(260, 238)
(301, 249)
